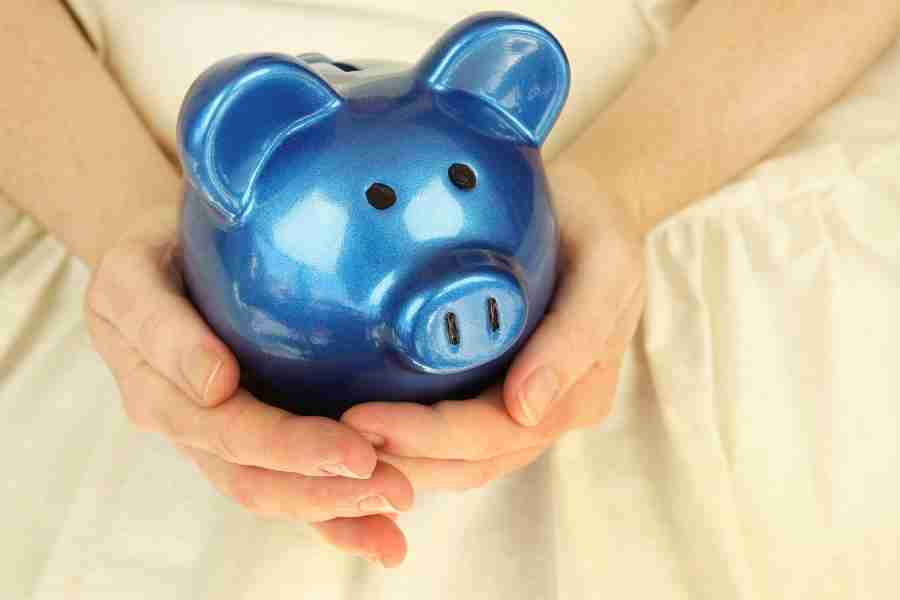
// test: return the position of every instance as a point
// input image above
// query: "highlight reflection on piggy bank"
(365, 230)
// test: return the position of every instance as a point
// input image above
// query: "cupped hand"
(178, 379)
(563, 379)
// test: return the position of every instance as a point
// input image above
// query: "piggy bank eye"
(462, 176)
(381, 196)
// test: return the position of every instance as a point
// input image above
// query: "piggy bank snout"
(462, 319)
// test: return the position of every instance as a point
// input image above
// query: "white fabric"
(753, 452)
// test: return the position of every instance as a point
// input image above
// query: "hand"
(178, 379)
(565, 376)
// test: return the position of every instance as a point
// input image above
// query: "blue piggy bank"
(364, 230)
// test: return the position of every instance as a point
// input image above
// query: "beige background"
(754, 447)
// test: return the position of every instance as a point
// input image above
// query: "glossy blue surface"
(328, 301)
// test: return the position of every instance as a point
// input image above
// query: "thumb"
(590, 323)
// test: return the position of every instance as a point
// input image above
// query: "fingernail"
(374, 438)
(538, 394)
(342, 471)
(199, 368)
(378, 504)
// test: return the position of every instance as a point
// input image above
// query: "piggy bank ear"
(508, 61)
(236, 113)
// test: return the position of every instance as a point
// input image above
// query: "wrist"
(617, 181)
(597, 182)
(149, 217)
(157, 221)
(588, 209)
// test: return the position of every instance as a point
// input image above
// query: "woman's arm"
(736, 79)
(73, 152)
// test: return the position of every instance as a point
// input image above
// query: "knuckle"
(223, 445)
(140, 413)
(321, 497)
(151, 328)
(222, 440)
(244, 488)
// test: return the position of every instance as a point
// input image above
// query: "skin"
(736, 95)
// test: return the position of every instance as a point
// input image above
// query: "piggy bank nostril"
(493, 314)
(463, 320)
(452, 329)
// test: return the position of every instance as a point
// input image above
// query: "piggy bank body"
(365, 230)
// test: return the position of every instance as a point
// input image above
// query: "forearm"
(737, 78)
(73, 153)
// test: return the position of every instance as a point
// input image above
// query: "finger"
(475, 429)
(139, 292)
(241, 430)
(460, 475)
(310, 499)
(588, 328)
(375, 537)
(371, 536)
(481, 428)
(588, 402)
